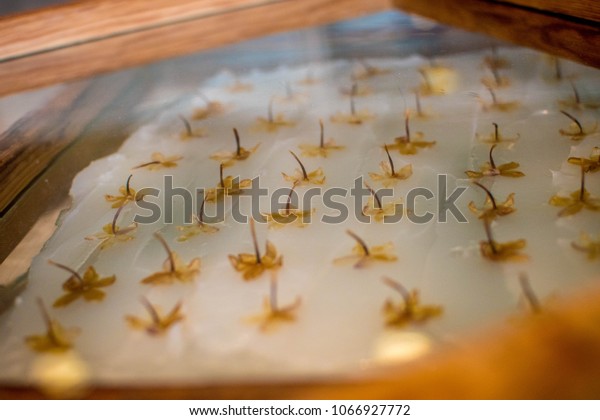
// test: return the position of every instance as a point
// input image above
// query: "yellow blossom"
(174, 269)
(56, 339)
(157, 324)
(253, 265)
(362, 255)
(87, 286)
(409, 310)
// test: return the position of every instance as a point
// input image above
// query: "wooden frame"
(505, 363)
(84, 38)
(543, 29)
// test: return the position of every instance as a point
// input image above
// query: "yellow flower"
(227, 158)
(378, 211)
(160, 161)
(289, 216)
(388, 175)
(253, 265)
(290, 97)
(588, 245)
(157, 324)
(589, 165)
(323, 148)
(363, 255)
(212, 108)
(189, 133)
(87, 287)
(355, 117)
(490, 168)
(272, 123)
(496, 62)
(369, 71)
(407, 144)
(501, 251)
(227, 186)
(496, 104)
(497, 138)
(491, 208)
(496, 81)
(504, 251)
(56, 339)
(302, 177)
(576, 131)
(197, 227)
(577, 200)
(273, 315)
(409, 310)
(239, 86)
(112, 234)
(576, 103)
(437, 80)
(126, 194)
(309, 80)
(174, 269)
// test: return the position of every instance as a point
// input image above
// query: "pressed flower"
(302, 177)
(211, 109)
(253, 265)
(437, 79)
(575, 101)
(388, 175)
(190, 133)
(576, 131)
(577, 200)
(157, 324)
(490, 168)
(407, 144)
(289, 216)
(496, 81)
(239, 86)
(309, 79)
(126, 195)
(272, 123)
(491, 208)
(369, 71)
(56, 339)
(589, 165)
(174, 269)
(323, 148)
(363, 254)
(494, 61)
(87, 286)
(587, 245)
(112, 233)
(227, 186)
(291, 97)
(273, 314)
(355, 117)
(496, 104)
(356, 90)
(198, 226)
(227, 158)
(410, 309)
(501, 251)
(496, 138)
(374, 208)
(160, 161)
